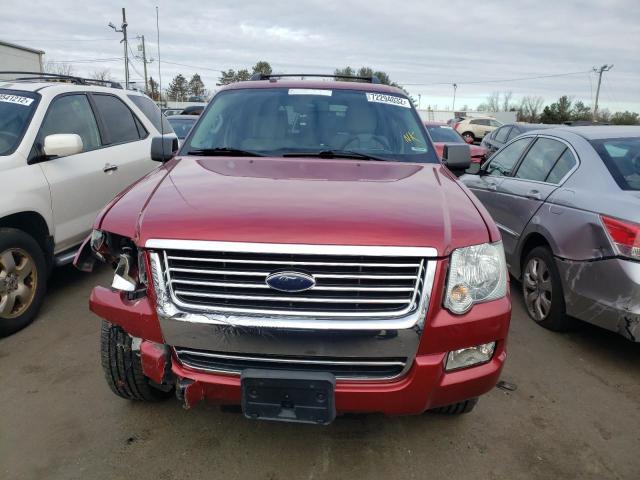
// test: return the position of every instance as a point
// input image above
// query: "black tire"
(543, 295)
(457, 408)
(123, 368)
(469, 134)
(22, 314)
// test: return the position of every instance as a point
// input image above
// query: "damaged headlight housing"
(468, 357)
(129, 264)
(476, 274)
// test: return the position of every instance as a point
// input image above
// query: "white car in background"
(67, 147)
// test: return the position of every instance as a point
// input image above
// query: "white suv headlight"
(476, 274)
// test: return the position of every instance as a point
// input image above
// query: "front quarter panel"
(122, 215)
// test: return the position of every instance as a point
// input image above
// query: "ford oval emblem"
(290, 281)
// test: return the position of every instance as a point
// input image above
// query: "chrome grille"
(346, 285)
(342, 367)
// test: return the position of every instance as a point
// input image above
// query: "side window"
(504, 160)
(475, 122)
(495, 123)
(152, 112)
(120, 125)
(513, 134)
(563, 166)
(70, 114)
(501, 134)
(540, 159)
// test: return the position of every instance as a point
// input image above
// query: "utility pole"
(599, 71)
(144, 62)
(453, 107)
(123, 30)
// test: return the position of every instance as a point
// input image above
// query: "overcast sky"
(424, 45)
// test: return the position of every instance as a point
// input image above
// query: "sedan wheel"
(543, 292)
(538, 289)
(18, 282)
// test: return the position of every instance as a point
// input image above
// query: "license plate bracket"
(288, 396)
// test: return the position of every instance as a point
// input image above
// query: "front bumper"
(424, 385)
(604, 292)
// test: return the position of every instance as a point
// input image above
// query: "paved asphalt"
(575, 414)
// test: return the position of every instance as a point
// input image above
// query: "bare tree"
(58, 68)
(506, 101)
(104, 74)
(493, 102)
(530, 108)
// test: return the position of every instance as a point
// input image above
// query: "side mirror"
(164, 148)
(456, 157)
(62, 145)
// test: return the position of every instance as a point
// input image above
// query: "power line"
(476, 82)
(192, 66)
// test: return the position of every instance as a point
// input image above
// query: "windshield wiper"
(223, 151)
(334, 154)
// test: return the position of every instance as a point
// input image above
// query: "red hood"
(477, 152)
(300, 201)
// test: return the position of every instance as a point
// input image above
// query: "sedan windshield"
(313, 122)
(444, 134)
(16, 108)
(622, 158)
(182, 126)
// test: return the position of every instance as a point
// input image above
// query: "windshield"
(444, 133)
(285, 121)
(16, 108)
(182, 126)
(622, 158)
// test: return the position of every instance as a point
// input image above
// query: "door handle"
(534, 195)
(109, 168)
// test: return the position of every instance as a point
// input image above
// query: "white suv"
(473, 129)
(67, 146)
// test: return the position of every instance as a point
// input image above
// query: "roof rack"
(264, 76)
(54, 77)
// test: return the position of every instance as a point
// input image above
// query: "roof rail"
(54, 77)
(264, 76)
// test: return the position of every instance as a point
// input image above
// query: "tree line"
(531, 109)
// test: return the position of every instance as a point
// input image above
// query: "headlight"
(476, 274)
(127, 261)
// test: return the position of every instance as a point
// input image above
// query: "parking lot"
(575, 414)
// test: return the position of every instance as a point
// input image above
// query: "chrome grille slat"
(320, 288)
(347, 285)
(343, 368)
(279, 298)
(281, 262)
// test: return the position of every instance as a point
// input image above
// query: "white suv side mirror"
(62, 145)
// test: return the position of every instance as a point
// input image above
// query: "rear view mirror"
(164, 148)
(456, 157)
(62, 145)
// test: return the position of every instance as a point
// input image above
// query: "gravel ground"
(575, 414)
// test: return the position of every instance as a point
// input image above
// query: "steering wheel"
(9, 137)
(384, 145)
(635, 161)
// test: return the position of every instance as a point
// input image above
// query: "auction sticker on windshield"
(388, 99)
(17, 99)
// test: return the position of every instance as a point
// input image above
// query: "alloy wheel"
(18, 282)
(537, 289)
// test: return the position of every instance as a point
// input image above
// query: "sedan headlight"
(476, 274)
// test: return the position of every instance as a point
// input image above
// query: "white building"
(18, 58)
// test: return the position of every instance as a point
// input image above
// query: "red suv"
(305, 254)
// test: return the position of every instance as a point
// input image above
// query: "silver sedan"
(567, 201)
